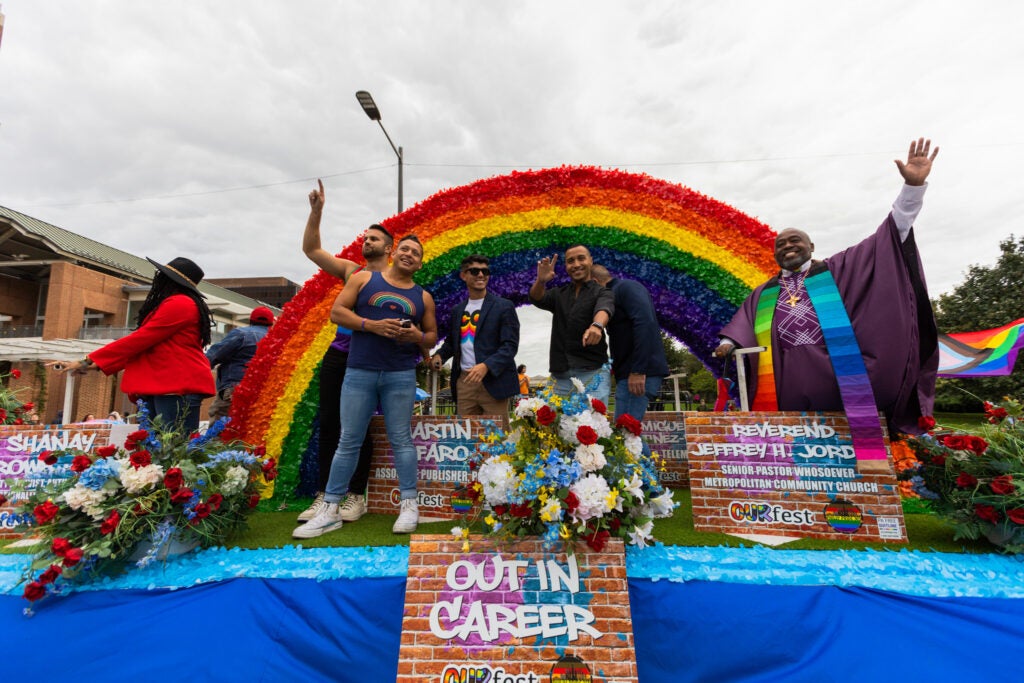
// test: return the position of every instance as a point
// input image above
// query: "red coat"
(164, 356)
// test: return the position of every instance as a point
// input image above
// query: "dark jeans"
(174, 410)
(332, 375)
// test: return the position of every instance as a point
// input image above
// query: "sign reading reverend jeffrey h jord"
(787, 474)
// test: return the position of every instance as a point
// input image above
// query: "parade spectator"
(163, 358)
(634, 334)
(880, 285)
(391, 317)
(580, 310)
(231, 356)
(482, 340)
(524, 382)
(115, 416)
(377, 244)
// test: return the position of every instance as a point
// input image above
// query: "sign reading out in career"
(515, 614)
(787, 474)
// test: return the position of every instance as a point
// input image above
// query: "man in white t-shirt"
(482, 338)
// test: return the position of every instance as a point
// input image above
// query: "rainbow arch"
(698, 257)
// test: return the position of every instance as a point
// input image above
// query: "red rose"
(270, 469)
(956, 442)
(545, 416)
(34, 591)
(202, 510)
(597, 540)
(1016, 515)
(630, 424)
(977, 444)
(50, 575)
(1003, 485)
(28, 407)
(926, 422)
(48, 457)
(138, 435)
(598, 406)
(3, 415)
(140, 459)
(586, 435)
(3, 499)
(995, 414)
(81, 463)
(215, 500)
(181, 496)
(45, 512)
(254, 500)
(939, 460)
(520, 510)
(987, 513)
(19, 421)
(966, 481)
(193, 436)
(500, 510)
(571, 502)
(16, 374)
(259, 451)
(106, 451)
(110, 523)
(615, 523)
(140, 511)
(60, 546)
(173, 478)
(73, 557)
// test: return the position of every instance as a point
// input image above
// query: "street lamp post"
(370, 107)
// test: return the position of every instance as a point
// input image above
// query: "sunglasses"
(478, 271)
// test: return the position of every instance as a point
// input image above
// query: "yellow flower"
(490, 520)
(465, 547)
(564, 531)
(610, 499)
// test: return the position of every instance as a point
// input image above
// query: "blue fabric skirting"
(336, 615)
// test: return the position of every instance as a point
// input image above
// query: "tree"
(698, 380)
(990, 296)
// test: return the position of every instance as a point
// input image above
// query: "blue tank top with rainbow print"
(379, 300)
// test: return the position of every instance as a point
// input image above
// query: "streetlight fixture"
(370, 107)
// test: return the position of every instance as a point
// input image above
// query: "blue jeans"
(636, 406)
(602, 385)
(360, 393)
(174, 410)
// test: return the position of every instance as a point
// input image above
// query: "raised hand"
(317, 198)
(546, 268)
(919, 162)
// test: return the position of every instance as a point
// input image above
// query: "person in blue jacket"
(231, 356)
(482, 340)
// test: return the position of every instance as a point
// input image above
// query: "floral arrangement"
(12, 410)
(566, 474)
(976, 481)
(133, 502)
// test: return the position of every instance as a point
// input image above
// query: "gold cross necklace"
(793, 294)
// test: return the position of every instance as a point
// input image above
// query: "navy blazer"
(496, 344)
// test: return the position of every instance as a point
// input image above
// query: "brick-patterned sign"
(443, 446)
(21, 445)
(515, 614)
(665, 433)
(787, 474)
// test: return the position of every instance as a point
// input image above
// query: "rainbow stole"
(843, 351)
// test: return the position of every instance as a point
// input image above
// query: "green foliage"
(698, 380)
(989, 297)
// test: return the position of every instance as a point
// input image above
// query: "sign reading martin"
(787, 474)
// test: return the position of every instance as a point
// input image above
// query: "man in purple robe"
(882, 287)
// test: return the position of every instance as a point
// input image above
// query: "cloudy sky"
(197, 128)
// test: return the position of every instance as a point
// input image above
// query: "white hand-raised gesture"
(919, 162)
(546, 268)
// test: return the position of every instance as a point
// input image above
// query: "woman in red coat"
(163, 358)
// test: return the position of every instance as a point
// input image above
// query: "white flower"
(660, 506)
(551, 511)
(235, 479)
(634, 444)
(640, 535)
(87, 500)
(528, 407)
(592, 492)
(591, 458)
(138, 480)
(498, 478)
(634, 487)
(579, 385)
(569, 425)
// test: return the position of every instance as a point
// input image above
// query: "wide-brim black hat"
(183, 271)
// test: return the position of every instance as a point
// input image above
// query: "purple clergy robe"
(882, 286)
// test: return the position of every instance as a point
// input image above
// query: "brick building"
(63, 295)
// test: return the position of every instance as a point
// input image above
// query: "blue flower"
(98, 474)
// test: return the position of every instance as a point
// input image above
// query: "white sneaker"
(314, 509)
(408, 518)
(328, 519)
(353, 508)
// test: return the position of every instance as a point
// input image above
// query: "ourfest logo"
(758, 512)
(422, 499)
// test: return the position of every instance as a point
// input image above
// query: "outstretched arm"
(338, 267)
(919, 162)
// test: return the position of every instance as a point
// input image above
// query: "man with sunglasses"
(483, 338)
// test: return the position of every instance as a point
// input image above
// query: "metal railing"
(16, 331)
(110, 332)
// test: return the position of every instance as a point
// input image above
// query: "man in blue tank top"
(391, 317)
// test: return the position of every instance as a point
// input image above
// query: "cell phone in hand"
(406, 323)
